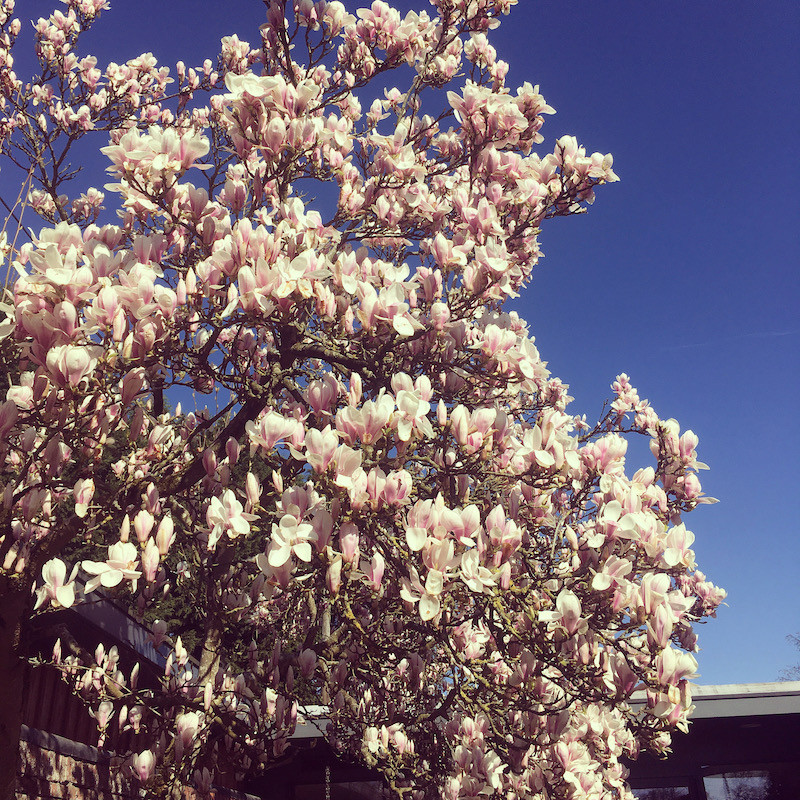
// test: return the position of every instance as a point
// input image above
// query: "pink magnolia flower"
(187, 726)
(269, 429)
(660, 627)
(348, 541)
(158, 633)
(70, 364)
(347, 463)
(83, 491)
(290, 537)
(652, 592)
(227, 515)
(385, 306)
(465, 524)
(144, 765)
(157, 151)
(22, 395)
(365, 423)
(416, 537)
(165, 535)
(612, 573)
(373, 571)
(333, 576)
(9, 413)
(321, 447)
(427, 596)
(567, 614)
(321, 394)
(132, 383)
(56, 590)
(372, 740)
(151, 558)
(674, 666)
(412, 411)
(203, 780)
(397, 488)
(307, 661)
(474, 574)
(142, 525)
(677, 548)
(375, 483)
(120, 565)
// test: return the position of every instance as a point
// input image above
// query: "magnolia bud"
(253, 489)
(143, 765)
(232, 450)
(165, 535)
(125, 529)
(143, 523)
(355, 389)
(210, 462)
(441, 414)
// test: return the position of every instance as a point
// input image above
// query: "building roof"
(746, 699)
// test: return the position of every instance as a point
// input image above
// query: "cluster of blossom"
(389, 510)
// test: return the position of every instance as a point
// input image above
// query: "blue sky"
(684, 274)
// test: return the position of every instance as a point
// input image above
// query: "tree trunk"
(13, 605)
(211, 656)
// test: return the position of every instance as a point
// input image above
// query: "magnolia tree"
(385, 506)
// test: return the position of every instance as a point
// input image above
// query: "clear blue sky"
(684, 274)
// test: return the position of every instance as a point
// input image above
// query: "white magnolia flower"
(474, 574)
(290, 537)
(120, 565)
(56, 589)
(227, 515)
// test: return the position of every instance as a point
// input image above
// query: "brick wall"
(54, 768)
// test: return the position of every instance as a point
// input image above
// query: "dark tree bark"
(14, 610)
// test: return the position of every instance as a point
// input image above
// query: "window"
(751, 785)
(662, 793)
